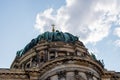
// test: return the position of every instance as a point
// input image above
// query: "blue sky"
(95, 22)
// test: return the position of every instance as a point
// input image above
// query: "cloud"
(94, 51)
(44, 20)
(117, 31)
(117, 43)
(91, 20)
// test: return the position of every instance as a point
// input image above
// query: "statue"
(93, 56)
(19, 53)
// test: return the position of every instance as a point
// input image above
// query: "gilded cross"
(53, 28)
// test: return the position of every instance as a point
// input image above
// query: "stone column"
(30, 62)
(70, 76)
(48, 55)
(55, 77)
(83, 75)
(22, 66)
(94, 78)
(56, 54)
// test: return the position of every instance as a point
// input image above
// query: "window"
(41, 57)
(78, 53)
(52, 55)
(28, 65)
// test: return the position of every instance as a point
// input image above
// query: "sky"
(95, 22)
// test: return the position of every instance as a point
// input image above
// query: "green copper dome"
(50, 37)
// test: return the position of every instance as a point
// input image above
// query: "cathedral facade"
(56, 56)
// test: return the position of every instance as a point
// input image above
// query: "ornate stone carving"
(61, 74)
(89, 75)
(78, 76)
(56, 55)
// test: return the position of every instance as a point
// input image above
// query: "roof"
(50, 37)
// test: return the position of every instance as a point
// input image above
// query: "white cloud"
(117, 43)
(117, 31)
(94, 51)
(91, 20)
(44, 20)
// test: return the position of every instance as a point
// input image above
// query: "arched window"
(42, 57)
(52, 55)
(28, 65)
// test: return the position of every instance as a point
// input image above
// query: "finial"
(53, 28)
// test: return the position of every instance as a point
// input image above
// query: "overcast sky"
(95, 22)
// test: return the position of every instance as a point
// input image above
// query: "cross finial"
(53, 28)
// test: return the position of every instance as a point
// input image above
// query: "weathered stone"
(56, 56)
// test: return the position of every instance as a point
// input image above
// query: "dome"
(54, 53)
(50, 37)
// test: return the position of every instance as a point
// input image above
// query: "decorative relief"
(78, 53)
(78, 76)
(34, 61)
(61, 74)
(89, 75)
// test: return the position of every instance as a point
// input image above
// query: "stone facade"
(57, 60)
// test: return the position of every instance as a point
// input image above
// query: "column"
(30, 62)
(55, 77)
(94, 78)
(48, 55)
(83, 75)
(70, 76)
(22, 66)
(56, 54)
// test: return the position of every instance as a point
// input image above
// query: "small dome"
(50, 37)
